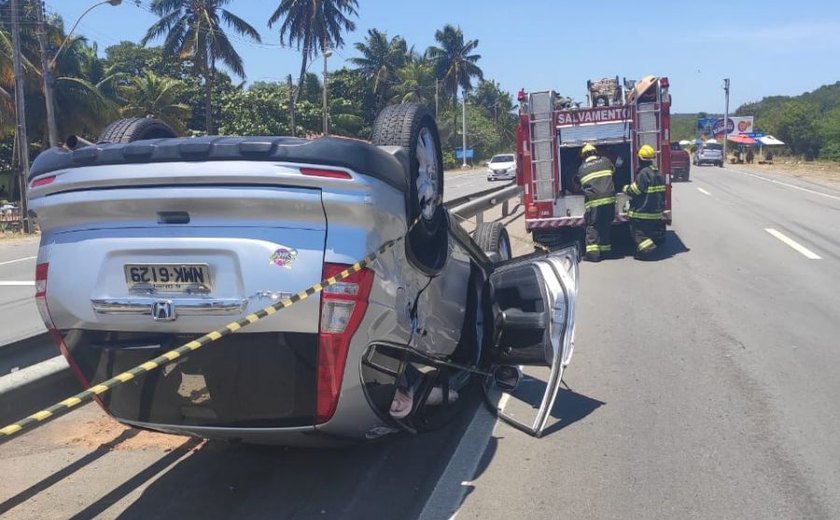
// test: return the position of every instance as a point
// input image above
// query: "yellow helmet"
(588, 149)
(647, 153)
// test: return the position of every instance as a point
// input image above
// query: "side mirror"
(507, 377)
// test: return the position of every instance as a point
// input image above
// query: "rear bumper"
(542, 223)
(492, 176)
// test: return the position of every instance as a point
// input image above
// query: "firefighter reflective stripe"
(599, 202)
(595, 248)
(589, 177)
(645, 216)
(660, 188)
(634, 188)
(645, 245)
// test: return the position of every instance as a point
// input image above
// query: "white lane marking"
(16, 284)
(448, 494)
(795, 245)
(18, 260)
(800, 188)
(704, 192)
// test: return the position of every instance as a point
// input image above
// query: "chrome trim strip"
(183, 306)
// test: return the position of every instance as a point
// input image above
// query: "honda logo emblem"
(163, 310)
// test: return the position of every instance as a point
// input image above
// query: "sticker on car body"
(283, 257)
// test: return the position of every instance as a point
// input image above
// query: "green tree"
(195, 30)
(150, 95)
(455, 61)
(379, 62)
(416, 83)
(797, 127)
(261, 109)
(313, 26)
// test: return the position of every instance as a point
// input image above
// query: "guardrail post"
(479, 218)
(505, 208)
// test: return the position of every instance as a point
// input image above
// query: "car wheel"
(135, 129)
(493, 239)
(413, 127)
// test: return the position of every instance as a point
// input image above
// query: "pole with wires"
(20, 115)
(327, 54)
(464, 127)
(291, 105)
(725, 117)
(46, 74)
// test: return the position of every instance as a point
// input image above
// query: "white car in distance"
(501, 167)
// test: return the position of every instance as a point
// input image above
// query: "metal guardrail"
(484, 201)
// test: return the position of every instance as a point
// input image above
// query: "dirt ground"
(825, 173)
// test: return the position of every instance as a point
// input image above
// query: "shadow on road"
(673, 245)
(386, 479)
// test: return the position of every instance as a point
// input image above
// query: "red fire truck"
(551, 134)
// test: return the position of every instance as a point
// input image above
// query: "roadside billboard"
(735, 126)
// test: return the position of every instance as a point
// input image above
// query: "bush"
(830, 152)
(449, 161)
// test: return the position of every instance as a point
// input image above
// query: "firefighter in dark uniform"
(647, 198)
(595, 176)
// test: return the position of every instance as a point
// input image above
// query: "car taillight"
(41, 271)
(43, 181)
(343, 306)
(332, 174)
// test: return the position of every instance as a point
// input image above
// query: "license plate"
(172, 278)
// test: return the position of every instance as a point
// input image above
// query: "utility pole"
(46, 74)
(327, 54)
(292, 105)
(436, 98)
(464, 127)
(20, 114)
(725, 117)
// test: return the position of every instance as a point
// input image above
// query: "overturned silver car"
(149, 240)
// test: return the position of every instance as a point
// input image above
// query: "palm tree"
(193, 29)
(156, 96)
(313, 26)
(416, 83)
(380, 60)
(455, 63)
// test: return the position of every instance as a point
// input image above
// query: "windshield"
(501, 158)
(712, 146)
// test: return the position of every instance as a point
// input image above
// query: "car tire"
(493, 239)
(410, 126)
(135, 129)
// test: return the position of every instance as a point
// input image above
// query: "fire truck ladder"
(649, 121)
(542, 146)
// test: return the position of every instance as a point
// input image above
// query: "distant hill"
(683, 126)
(808, 123)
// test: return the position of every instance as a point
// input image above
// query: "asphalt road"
(703, 386)
(20, 318)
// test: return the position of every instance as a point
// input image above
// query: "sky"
(765, 48)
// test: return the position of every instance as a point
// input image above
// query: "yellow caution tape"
(88, 395)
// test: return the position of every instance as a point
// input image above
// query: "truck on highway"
(551, 134)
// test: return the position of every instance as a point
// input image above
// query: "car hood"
(502, 165)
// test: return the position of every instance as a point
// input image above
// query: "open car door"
(532, 304)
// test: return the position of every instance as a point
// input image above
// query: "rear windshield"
(501, 158)
(713, 146)
(676, 146)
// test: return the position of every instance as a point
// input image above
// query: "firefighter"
(647, 197)
(595, 176)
